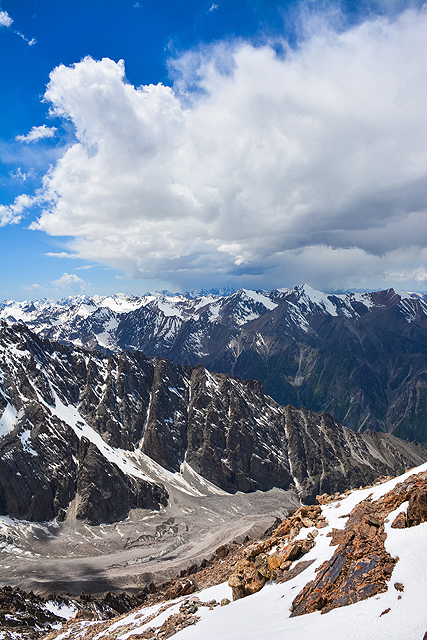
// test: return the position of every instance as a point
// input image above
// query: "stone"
(180, 588)
(417, 508)
(400, 521)
(295, 570)
(223, 551)
(293, 551)
(262, 565)
(246, 579)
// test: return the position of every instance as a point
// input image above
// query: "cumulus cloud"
(12, 213)
(37, 133)
(255, 168)
(5, 19)
(69, 281)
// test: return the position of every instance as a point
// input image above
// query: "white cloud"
(69, 281)
(5, 19)
(12, 213)
(33, 287)
(20, 175)
(61, 254)
(255, 167)
(38, 133)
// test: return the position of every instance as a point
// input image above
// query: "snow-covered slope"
(396, 613)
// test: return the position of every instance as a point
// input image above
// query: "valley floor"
(71, 557)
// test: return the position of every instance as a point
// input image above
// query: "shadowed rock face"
(78, 426)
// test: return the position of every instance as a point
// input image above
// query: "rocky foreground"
(347, 549)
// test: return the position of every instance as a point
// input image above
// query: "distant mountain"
(361, 356)
(88, 436)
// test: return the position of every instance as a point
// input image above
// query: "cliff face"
(82, 431)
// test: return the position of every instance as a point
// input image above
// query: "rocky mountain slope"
(353, 566)
(360, 356)
(90, 437)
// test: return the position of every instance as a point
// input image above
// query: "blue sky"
(183, 144)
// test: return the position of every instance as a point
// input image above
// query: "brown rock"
(274, 563)
(181, 588)
(400, 521)
(358, 569)
(223, 551)
(417, 508)
(360, 566)
(298, 568)
(262, 565)
(293, 551)
(255, 549)
(246, 579)
(307, 522)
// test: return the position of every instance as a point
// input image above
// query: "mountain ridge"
(139, 422)
(360, 356)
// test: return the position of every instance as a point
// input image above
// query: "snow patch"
(8, 420)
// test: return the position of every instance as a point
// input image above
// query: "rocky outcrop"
(106, 494)
(272, 559)
(47, 465)
(360, 566)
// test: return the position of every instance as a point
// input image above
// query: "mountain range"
(89, 436)
(361, 356)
